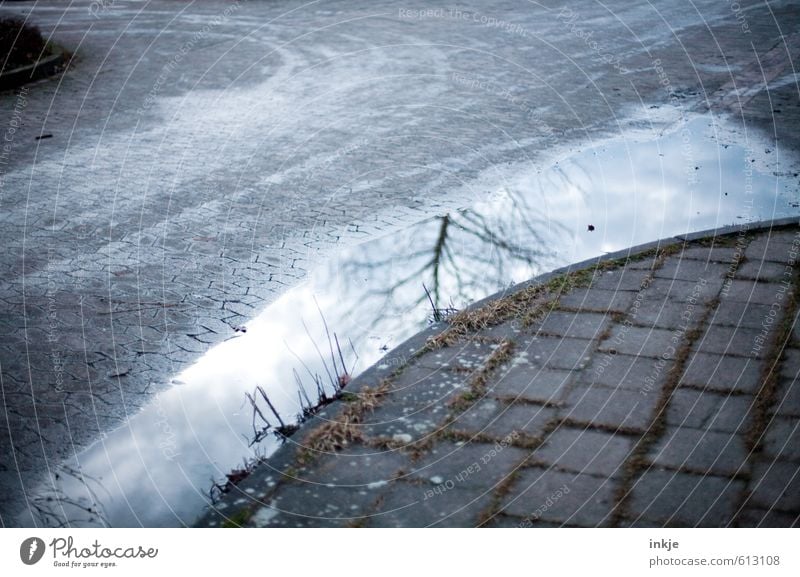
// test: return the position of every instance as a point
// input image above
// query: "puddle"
(158, 469)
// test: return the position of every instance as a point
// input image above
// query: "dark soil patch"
(20, 44)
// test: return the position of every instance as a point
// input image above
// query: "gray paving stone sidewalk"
(655, 388)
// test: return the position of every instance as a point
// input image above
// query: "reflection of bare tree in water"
(458, 257)
(59, 508)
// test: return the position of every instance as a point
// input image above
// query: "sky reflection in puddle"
(157, 470)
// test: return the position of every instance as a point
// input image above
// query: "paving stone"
(722, 373)
(787, 398)
(574, 325)
(306, 504)
(700, 450)
(526, 382)
(775, 485)
(787, 236)
(740, 314)
(585, 451)
(209, 323)
(790, 363)
(733, 341)
(507, 330)
(754, 517)
(556, 352)
(707, 410)
(764, 270)
(663, 314)
(560, 497)
(626, 372)
(621, 279)
(469, 356)
(355, 467)
(610, 408)
(755, 292)
(782, 439)
(470, 466)
(767, 248)
(403, 422)
(676, 267)
(409, 505)
(657, 343)
(421, 386)
(796, 328)
(522, 418)
(477, 417)
(680, 499)
(695, 293)
(597, 300)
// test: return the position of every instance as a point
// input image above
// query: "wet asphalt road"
(204, 154)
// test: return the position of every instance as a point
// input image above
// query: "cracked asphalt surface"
(203, 155)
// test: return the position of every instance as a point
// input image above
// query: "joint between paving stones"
(616, 430)
(637, 463)
(766, 395)
(499, 493)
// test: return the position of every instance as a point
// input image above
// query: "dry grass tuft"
(337, 434)
(470, 321)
